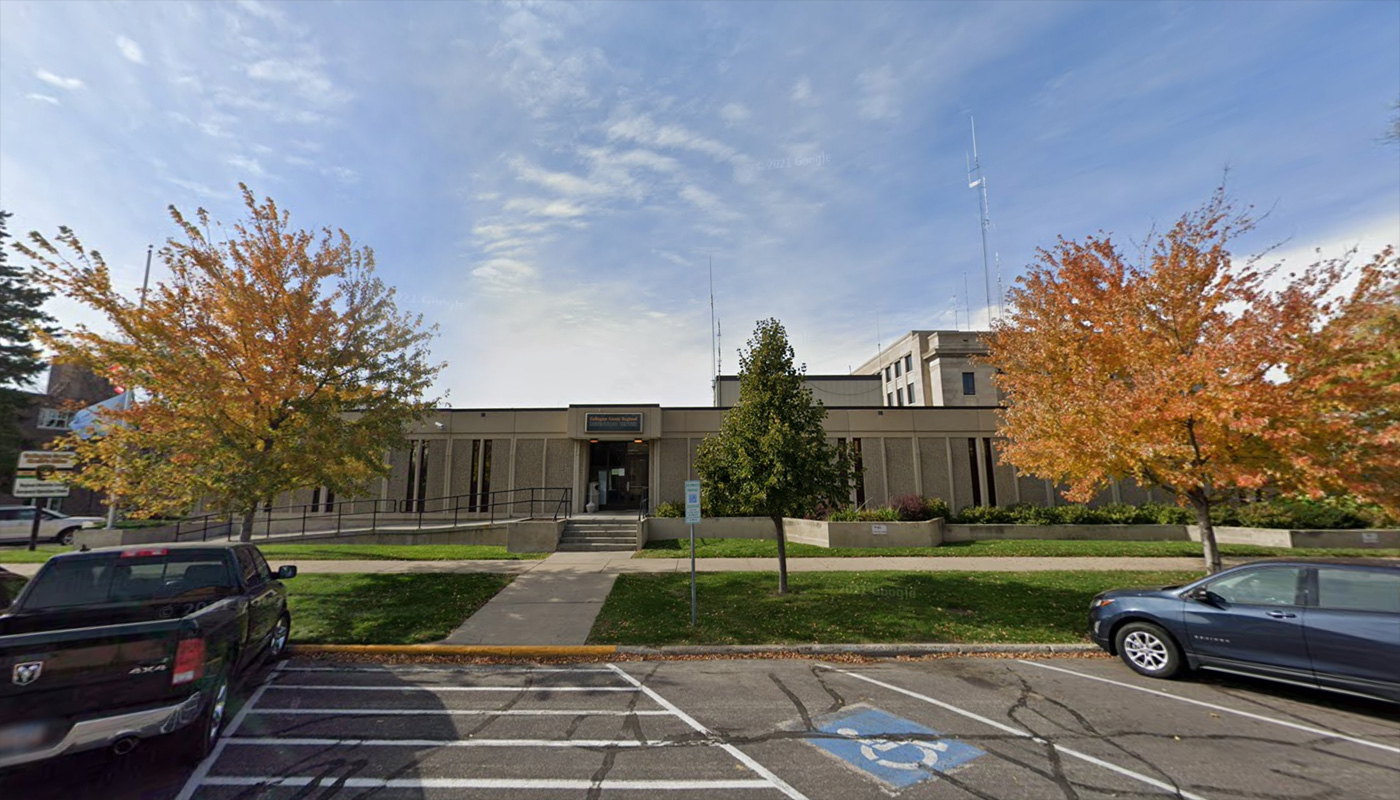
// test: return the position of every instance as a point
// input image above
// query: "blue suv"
(1332, 625)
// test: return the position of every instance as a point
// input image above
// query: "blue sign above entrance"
(894, 751)
(612, 423)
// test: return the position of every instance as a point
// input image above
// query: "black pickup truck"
(107, 647)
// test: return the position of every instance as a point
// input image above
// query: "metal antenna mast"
(980, 184)
(714, 342)
(719, 345)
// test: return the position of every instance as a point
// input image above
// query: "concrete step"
(591, 547)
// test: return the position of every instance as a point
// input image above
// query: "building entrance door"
(621, 470)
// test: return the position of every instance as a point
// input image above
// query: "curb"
(733, 651)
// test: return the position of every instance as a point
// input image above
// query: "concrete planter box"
(534, 535)
(663, 528)
(1375, 538)
(803, 531)
(1117, 533)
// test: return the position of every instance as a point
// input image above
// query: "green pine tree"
(20, 310)
(771, 457)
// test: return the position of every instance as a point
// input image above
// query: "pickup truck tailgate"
(69, 673)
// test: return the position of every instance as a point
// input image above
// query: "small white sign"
(33, 487)
(879, 529)
(1370, 538)
(53, 459)
(692, 502)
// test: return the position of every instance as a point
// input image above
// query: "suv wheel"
(1148, 649)
(67, 537)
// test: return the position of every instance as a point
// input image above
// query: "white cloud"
(305, 76)
(643, 130)
(879, 99)
(130, 50)
(262, 10)
(545, 208)
(248, 165)
(706, 201)
(71, 84)
(43, 98)
(734, 113)
(562, 182)
(802, 92)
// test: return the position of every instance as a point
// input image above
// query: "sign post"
(692, 517)
(35, 477)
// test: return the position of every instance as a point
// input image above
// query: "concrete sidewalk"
(618, 563)
(554, 603)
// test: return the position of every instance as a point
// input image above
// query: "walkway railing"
(307, 518)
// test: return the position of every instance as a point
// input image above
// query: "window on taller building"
(969, 383)
(887, 374)
(54, 419)
(910, 393)
(889, 399)
(908, 363)
(897, 373)
(899, 395)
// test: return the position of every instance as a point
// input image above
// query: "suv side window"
(261, 563)
(1265, 586)
(1358, 590)
(248, 566)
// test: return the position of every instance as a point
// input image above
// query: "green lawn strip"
(1039, 548)
(385, 609)
(20, 554)
(848, 607)
(392, 552)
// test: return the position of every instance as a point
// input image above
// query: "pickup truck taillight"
(189, 662)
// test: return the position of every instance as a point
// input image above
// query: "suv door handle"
(1280, 614)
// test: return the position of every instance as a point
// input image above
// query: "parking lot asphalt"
(946, 728)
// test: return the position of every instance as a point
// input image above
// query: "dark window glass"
(1358, 590)
(485, 474)
(860, 473)
(261, 564)
(316, 500)
(889, 399)
(887, 373)
(94, 581)
(248, 567)
(969, 383)
(991, 475)
(897, 372)
(976, 479)
(910, 392)
(899, 395)
(1266, 586)
(476, 457)
(909, 363)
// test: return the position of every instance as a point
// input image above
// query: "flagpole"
(126, 401)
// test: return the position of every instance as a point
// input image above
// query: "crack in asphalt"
(796, 701)
(596, 789)
(837, 700)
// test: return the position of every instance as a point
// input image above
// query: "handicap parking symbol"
(895, 751)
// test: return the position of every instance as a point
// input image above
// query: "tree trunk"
(1203, 524)
(782, 556)
(245, 527)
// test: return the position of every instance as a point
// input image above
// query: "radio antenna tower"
(977, 180)
(719, 347)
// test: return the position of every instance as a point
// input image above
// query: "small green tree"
(771, 457)
(21, 302)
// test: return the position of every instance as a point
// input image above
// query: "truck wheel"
(204, 733)
(1148, 649)
(278, 643)
(66, 537)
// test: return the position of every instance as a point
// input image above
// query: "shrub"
(864, 515)
(937, 508)
(1076, 514)
(912, 508)
(671, 509)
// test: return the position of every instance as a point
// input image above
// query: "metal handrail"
(642, 507)
(472, 503)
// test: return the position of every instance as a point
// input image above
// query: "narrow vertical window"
(473, 503)
(485, 474)
(315, 500)
(976, 478)
(909, 363)
(969, 383)
(991, 475)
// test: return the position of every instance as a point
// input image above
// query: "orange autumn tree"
(1189, 373)
(271, 359)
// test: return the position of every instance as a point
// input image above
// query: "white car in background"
(16, 521)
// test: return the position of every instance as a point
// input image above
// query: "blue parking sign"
(894, 751)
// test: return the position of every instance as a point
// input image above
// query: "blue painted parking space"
(890, 749)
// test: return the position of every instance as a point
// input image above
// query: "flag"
(87, 422)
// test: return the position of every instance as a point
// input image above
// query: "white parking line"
(201, 772)
(452, 670)
(320, 687)
(275, 741)
(1024, 734)
(1226, 709)
(773, 780)
(555, 784)
(483, 712)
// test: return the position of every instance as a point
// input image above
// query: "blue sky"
(547, 181)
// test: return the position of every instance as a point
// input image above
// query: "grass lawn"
(385, 609)
(326, 552)
(1040, 548)
(842, 607)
